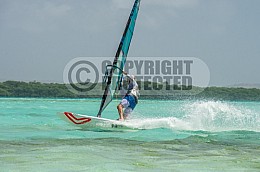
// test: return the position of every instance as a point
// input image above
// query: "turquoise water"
(176, 136)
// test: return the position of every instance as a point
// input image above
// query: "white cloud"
(35, 17)
(123, 4)
(55, 10)
(172, 3)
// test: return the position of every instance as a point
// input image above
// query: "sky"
(38, 38)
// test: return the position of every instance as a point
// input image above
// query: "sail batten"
(115, 74)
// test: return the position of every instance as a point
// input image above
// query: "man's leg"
(123, 104)
(120, 111)
(127, 112)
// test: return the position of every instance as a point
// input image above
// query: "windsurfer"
(130, 98)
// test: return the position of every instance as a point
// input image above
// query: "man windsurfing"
(130, 98)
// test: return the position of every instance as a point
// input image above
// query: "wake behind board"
(95, 123)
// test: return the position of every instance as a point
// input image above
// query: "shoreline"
(19, 89)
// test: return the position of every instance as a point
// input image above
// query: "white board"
(94, 123)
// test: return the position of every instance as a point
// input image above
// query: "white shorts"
(126, 104)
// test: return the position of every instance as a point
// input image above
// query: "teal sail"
(114, 74)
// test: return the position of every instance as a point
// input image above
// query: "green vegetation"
(33, 89)
(223, 93)
(54, 90)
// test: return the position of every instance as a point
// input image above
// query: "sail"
(114, 76)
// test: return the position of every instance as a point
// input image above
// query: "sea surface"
(174, 136)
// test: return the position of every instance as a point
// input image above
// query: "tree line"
(56, 90)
